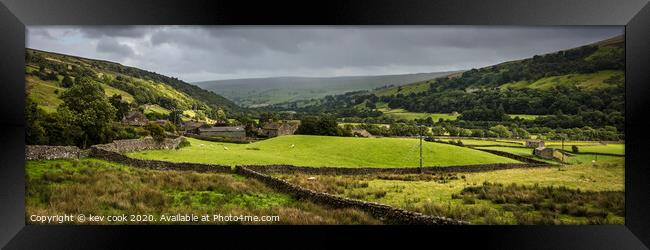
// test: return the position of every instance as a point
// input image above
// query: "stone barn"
(361, 133)
(236, 132)
(135, 118)
(549, 153)
(534, 143)
(192, 126)
(272, 129)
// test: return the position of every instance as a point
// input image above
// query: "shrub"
(156, 131)
(184, 143)
(574, 148)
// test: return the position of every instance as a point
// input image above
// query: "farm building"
(236, 132)
(272, 129)
(191, 126)
(534, 143)
(135, 118)
(549, 153)
(361, 133)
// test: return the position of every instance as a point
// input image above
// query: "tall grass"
(97, 187)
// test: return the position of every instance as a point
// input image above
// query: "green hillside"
(49, 74)
(573, 88)
(406, 89)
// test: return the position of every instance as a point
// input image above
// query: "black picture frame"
(633, 14)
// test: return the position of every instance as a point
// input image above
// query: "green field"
(44, 93)
(575, 159)
(401, 114)
(110, 91)
(570, 143)
(482, 142)
(432, 194)
(525, 117)
(607, 149)
(342, 124)
(148, 108)
(55, 187)
(325, 151)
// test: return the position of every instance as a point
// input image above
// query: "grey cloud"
(111, 46)
(115, 31)
(195, 53)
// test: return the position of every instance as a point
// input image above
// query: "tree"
(574, 148)
(67, 82)
(319, 125)
(156, 131)
(121, 107)
(501, 131)
(34, 116)
(89, 109)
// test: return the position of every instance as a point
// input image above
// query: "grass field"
(400, 114)
(525, 117)
(342, 124)
(575, 159)
(434, 194)
(329, 151)
(148, 108)
(44, 93)
(56, 187)
(483, 142)
(110, 91)
(570, 143)
(608, 148)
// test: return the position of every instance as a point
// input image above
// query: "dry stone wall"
(132, 145)
(44, 152)
(513, 156)
(382, 212)
(288, 169)
(115, 152)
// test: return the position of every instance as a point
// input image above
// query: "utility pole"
(562, 148)
(421, 135)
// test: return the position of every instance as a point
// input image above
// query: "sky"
(203, 53)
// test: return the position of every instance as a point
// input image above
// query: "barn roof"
(222, 129)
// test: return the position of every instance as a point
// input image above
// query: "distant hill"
(257, 92)
(153, 92)
(587, 82)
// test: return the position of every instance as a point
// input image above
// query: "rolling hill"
(586, 81)
(257, 92)
(49, 74)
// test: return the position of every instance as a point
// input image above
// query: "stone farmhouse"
(272, 129)
(235, 132)
(534, 143)
(135, 118)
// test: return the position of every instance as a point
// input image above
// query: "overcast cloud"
(201, 53)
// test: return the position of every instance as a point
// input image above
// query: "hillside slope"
(256, 92)
(49, 74)
(587, 82)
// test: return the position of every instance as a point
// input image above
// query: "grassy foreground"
(90, 186)
(575, 194)
(325, 151)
